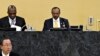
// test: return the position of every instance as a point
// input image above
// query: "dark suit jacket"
(11, 54)
(49, 24)
(4, 22)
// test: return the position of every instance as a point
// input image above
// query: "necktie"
(12, 22)
(55, 24)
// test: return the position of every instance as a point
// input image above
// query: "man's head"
(55, 12)
(6, 45)
(12, 11)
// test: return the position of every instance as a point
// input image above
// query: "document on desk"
(18, 28)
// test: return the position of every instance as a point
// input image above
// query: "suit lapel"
(7, 22)
(10, 54)
(61, 22)
(51, 23)
(0, 53)
(16, 21)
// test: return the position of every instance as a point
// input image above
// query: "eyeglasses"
(7, 45)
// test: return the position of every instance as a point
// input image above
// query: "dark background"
(55, 43)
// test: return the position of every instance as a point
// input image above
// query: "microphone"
(23, 26)
(91, 20)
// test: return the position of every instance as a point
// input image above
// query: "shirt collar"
(4, 54)
(56, 19)
(10, 20)
(13, 19)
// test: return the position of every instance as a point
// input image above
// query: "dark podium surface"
(7, 29)
(55, 43)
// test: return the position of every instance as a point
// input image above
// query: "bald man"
(12, 19)
(56, 21)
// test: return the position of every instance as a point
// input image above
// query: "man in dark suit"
(12, 19)
(6, 47)
(56, 21)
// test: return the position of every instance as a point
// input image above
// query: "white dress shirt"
(4, 54)
(12, 21)
(12, 24)
(58, 22)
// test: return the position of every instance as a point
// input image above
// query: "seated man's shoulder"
(48, 19)
(63, 18)
(18, 17)
(3, 18)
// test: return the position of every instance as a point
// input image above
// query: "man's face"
(55, 13)
(6, 46)
(12, 13)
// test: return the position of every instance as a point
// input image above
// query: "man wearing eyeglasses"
(6, 47)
